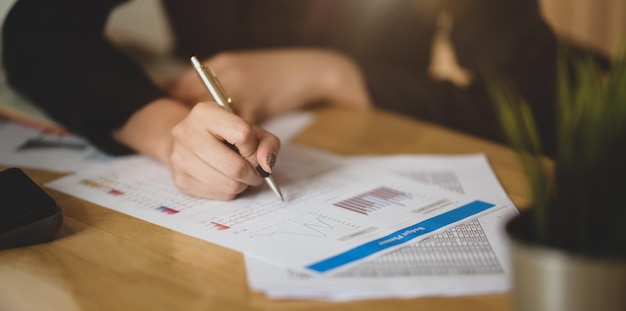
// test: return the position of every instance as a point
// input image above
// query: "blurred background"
(599, 25)
(141, 27)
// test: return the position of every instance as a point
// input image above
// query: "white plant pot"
(550, 279)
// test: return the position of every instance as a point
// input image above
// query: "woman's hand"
(265, 83)
(193, 143)
(214, 153)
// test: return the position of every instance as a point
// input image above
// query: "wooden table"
(105, 260)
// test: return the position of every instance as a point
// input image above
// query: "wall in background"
(597, 24)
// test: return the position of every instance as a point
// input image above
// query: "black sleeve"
(56, 53)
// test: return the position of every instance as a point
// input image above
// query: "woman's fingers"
(267, 149)
(195, 177)
(215, 152)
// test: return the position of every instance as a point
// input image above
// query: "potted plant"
(568, 248)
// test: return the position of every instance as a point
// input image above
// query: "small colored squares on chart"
(115, 192)
(166, 210)
(219, 226)
(91, 183)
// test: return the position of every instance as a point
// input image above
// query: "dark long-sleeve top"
(56, 53)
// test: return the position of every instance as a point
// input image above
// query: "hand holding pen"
(250, 142)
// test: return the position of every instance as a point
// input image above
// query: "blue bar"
(401, 236)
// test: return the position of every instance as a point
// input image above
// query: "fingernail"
(271, 160)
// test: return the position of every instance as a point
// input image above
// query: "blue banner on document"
(400, 236)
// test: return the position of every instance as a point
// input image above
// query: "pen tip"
(280, 195)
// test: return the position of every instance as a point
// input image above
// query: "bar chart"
(374, 200)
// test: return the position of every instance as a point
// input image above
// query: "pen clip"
(208, 76)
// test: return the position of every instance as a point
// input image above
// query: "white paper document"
(29, 147)
(469, 258)
(335, 215)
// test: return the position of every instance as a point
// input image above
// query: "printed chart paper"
(335, 214)
(469, 258)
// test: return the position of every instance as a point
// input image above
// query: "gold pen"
(210, 81)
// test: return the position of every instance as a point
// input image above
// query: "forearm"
(343, 83)
(265, 83)
(148, 130)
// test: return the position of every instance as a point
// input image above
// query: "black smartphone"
(28, 215)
